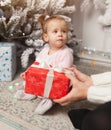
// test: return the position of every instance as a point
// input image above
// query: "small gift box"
(7, 61)
(46, 82)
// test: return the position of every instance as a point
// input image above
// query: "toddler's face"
(57, 33)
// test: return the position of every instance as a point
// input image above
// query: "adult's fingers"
(79, 75)
(72, 78)
(64, 100)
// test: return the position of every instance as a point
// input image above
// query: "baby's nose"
(60, 34)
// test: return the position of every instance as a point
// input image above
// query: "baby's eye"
(55, 31)
(64, 31)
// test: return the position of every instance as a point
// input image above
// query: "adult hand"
(80, 85)
(82, 77)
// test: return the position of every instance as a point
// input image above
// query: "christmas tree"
(19, 23)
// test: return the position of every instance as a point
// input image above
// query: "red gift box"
(46, 82)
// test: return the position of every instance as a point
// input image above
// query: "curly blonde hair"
(44, 21)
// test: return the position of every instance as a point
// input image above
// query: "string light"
(10, 88)
(93, 62)
(95, 53)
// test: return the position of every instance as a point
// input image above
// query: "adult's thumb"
(72, 78)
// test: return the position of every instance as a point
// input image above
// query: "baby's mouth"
(60, 39)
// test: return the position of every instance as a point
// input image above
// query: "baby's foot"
(20, 94)
(44, 105)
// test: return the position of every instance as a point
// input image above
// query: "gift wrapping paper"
(37, 78)
(7, 61)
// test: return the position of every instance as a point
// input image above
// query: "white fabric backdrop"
(90, 31)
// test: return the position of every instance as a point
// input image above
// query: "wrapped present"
(7, 61)
(47, 82)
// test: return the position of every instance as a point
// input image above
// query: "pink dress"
(62, 58)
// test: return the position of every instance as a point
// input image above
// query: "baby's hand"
(22, 75)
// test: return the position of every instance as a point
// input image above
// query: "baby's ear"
(45, 37)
